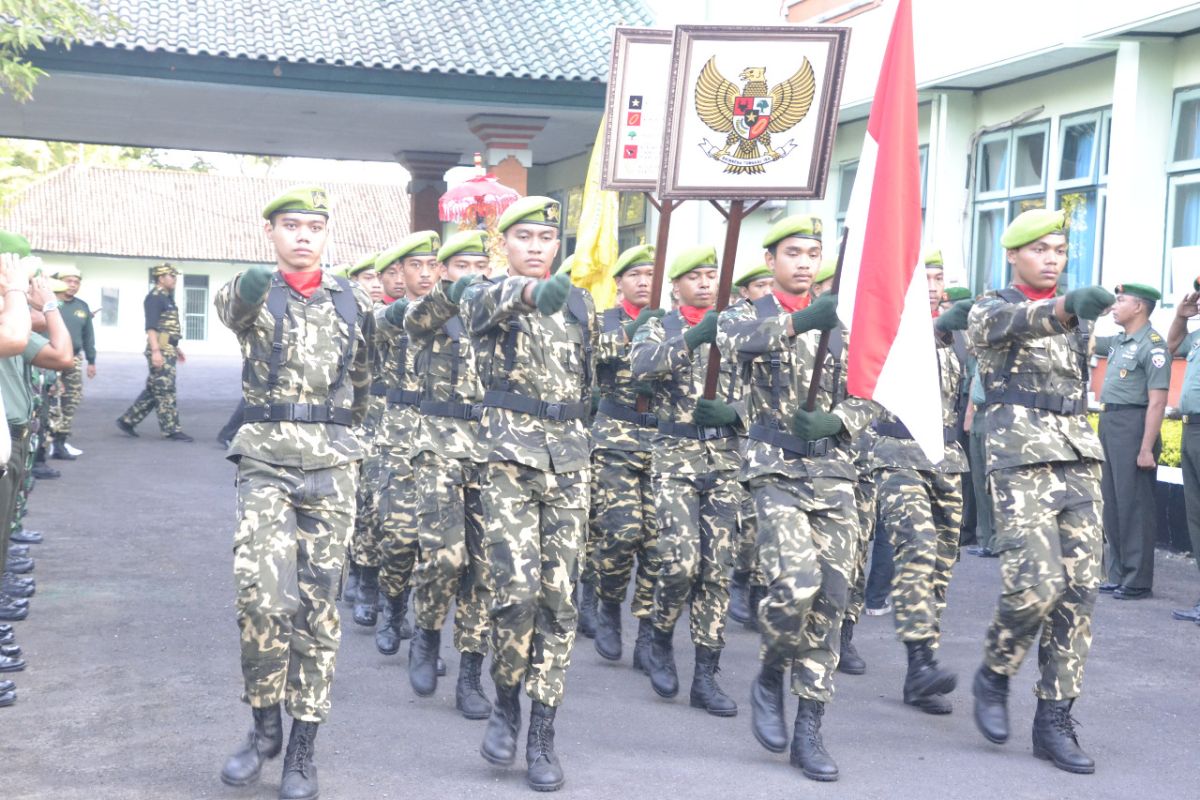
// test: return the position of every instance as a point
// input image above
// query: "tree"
(26, 25)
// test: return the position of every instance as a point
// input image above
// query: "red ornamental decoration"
(476, 200)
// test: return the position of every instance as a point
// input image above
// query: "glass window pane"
(1030, 159)
(845, 185)
(1187, 130)
(991, 267)
(993, 166)
(923, 157)
(109, 303)
(1185, 227)
(1078, 146)
(1082, 237)
(1107, 143)
(1024, 204)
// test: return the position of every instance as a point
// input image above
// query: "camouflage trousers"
(534, 524)
(293, 529)
(807, 544)
(745, 540)
(864, 500)
(622, 527)
(1049, 538)
(398, 540)
(159, 395)
(697, 516)
(70, 395)
(922, 513)
(364, 548)
(451, 565)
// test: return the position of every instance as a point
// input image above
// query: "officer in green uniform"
(1043, 463)
(77, 314)
(163, 334)
(1185, 344)
(1132, 403)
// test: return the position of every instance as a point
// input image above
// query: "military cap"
(752, 273)
(421, 243)
(1033, 225)
(13, 243)
(933, 258)
(67, 272)
(703, 255)
(803, 225)
(1139, 290)
(956, 293)
(534, 209)
(158, 270)
(638, 256)
(300, 199)
(828, 268)
(365, 263)
(464, 243)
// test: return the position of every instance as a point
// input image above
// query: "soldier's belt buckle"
(554, 411)
(818, 447)
(1068, 405)
(476, 411)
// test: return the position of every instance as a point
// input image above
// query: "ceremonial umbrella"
(476, 201)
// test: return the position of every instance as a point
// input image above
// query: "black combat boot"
(1054, 737)
(365, 611)
(59, 449)
(264, 742)
(587, 609)
(757, 594)
(641, 647)
(350, 590)
(850, 661)
(299, 771)
(608, 631)
(991, 705)
(468, 694)
(545, 773)
(808, 750)
(766, 706)
(422, 661)
(925, 683)
(706, 693)
(663, 677)
(739, 596)
(391, 624)
(500, 739)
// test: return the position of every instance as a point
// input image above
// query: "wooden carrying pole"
(660, 269)
(823, 345)
(733, 229)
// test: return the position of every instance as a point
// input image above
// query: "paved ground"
(132, 688)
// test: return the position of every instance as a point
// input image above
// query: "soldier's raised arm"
(360, 367)
(239, 301)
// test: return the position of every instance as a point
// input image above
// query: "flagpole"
(660, 249)
(823, 345)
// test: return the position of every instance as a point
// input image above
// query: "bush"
(1172, 439)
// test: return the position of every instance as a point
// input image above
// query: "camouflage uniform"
(1043, 462)
(535, 489)
(295, 486)
(364, 547)
(159, 394)
(77, 316)
(864, 500)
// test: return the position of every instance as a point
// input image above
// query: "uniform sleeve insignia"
(1154, 337)
(1159, 360)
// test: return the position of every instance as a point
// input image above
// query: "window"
(1183, 188)
(195, 307)
(1185, 132)
(632, 224)
(109, 301)
(1080, 191)
(846, 176)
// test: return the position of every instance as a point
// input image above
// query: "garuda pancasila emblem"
(750, 116)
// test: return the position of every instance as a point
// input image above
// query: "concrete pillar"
(428, 182)
(507, 145)
(947, 203)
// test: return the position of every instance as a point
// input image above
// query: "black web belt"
(511, 401)
(432, 408)
(898, 430)
(611, 408)
(1121, 407)
(669, 428)
(298, 412)
(1054, 403)
(808, 448)
(396, 397)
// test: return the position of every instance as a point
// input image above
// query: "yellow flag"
(596, 245)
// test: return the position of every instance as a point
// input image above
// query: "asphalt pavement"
(133, 681)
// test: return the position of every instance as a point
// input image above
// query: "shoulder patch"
(1154, 337)
(1158, 359)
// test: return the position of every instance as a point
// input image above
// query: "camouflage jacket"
(548, 362)
(396, 353)
(311, 361)
(368, 431)
(678, 376)
(1046, 360)
(445, 362)
(776, 369)
(162, 316)
(614, 377)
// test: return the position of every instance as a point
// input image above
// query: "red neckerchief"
(630, 309)
(388, 299)
(792, 302)
(693, 314)
(303, 282)
(1037, 294)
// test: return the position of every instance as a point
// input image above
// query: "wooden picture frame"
(636, 110)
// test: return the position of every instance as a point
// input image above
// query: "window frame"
(986, 206)
(203, 316)
(1182, 95)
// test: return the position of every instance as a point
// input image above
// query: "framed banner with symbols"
(638, 83)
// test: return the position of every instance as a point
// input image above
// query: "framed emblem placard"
(638, 85)
(753, 111)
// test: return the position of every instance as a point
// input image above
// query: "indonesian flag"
(883, 296)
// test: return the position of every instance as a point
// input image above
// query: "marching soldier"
(303, 335)
(1043, 463)
(695, 460)
(78, 316)
(163, 334)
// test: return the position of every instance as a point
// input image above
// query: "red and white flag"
(883, 297)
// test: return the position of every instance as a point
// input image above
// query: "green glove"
(595, 400)
(812, 425)
(821, 315)
(551, 294)
(643, 388)
(395, 312)
(1088, 302)
(954, 318)
(253, 286)
(704, 331)
(713, 413)
(644, 316)
(454, 292)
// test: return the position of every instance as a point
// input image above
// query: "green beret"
(1140, 290)
(464, 243)
(67, 272)
(638, 256)
(802, 225)
(956, 293)
(301, 199)
(13, 243)
(1033, 225)
(421, 243)
(535, 209)
(693, 258)
(163, 269)
(934, 259)
(364, 263)
(751, 274)
(828, 267)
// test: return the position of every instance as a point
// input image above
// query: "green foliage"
(26, 25)
(1172, 440)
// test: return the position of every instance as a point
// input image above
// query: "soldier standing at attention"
(1043, 464)
(695, 462)
(162, 352)
(540, 335)
(1185, 344)
(78, 316)
(304, 336)
(1132, 403)
(622, 512)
